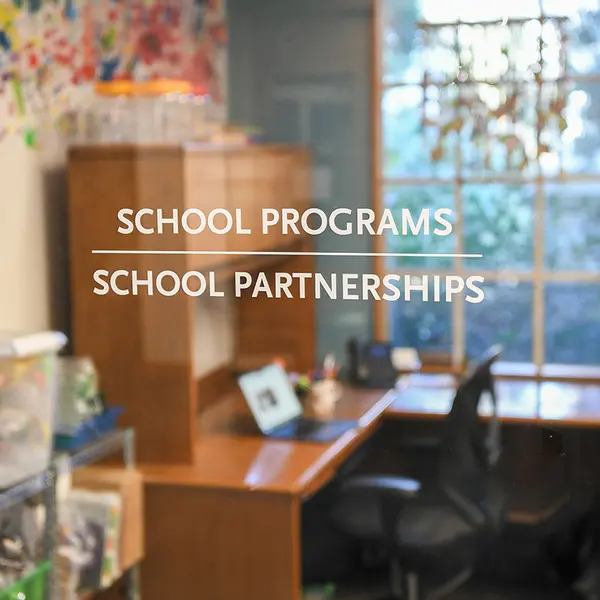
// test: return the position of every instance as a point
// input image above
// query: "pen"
(329, 367)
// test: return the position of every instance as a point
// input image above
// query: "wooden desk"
(544, 403)
(227, 527)
(518, 401)
(569, 405)
(540, 467)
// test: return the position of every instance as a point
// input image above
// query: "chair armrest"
(384, 485)
(367, 507)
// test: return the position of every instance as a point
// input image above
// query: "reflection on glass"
(574, 211)
(498, 223)
(422, 325)
(419, 201)
(572, 323)
(504, 317)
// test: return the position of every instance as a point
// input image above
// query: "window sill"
(508, 370)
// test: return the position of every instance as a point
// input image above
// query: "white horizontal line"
(284, 253)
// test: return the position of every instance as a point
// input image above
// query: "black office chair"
(432, 532)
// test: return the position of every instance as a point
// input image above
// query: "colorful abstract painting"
(49, 49)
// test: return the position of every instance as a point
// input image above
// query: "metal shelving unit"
(45, 484)
(26, 489)
(121, 440)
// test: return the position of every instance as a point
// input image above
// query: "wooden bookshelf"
(143, 345)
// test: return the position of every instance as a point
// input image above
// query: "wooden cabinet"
(143, 343)
(205, 188)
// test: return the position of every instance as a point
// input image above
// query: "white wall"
(24, 278)
(34, 254)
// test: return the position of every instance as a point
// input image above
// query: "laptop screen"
(270, 397)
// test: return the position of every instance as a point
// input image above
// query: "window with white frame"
(493, 109)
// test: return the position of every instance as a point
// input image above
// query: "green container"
(31, 587)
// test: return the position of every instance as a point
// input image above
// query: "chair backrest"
(469, 451)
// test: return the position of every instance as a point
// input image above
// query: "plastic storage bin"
(28, 391)
(31, 587)
(112, 119)
(162, 111)
(78, 393)
(200, 114)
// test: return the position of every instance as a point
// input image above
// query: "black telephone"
(370, 364)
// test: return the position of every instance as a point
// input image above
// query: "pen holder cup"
(324, 396)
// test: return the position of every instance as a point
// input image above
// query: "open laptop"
(278, 412)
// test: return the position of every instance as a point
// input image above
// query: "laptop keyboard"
(306, 428)
(313, 430)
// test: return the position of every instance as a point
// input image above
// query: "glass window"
(572, 323)
(426, 326)
(497, 225)
(474, 117)
(411, 147)
(423, 202)
(505, 317)
(573, 209)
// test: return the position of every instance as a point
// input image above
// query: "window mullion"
(381, 325)
(538, 278)
(458, 308)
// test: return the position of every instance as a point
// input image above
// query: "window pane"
(504, 317)
(572, 10)
(573, 210)
(416, 199)
(410, 50)
(573, 142)
(498, 223)
(582, 32)
(572, 316)
(412, 147)
(503, 144)
(422, 325)
(400, 42)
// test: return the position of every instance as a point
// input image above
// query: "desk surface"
(549, 403)
(237, 508)
(226, 458)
